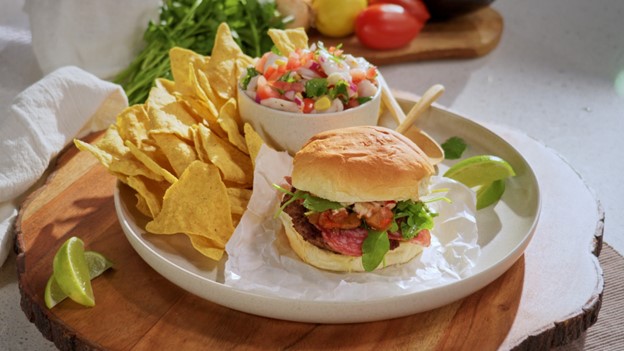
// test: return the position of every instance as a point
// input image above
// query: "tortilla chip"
(253, 141)
(152, 192)
(234, 164)
(230, 121)
(150, 163)
(179, 153)
(142, 206)
(222, 71)
(121, 166)
(197, 204)
(239, 198)
(183, 63)
(167, 115)
(289, 40)
(132, 124)
(200, 109)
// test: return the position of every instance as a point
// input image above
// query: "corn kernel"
(322, 104)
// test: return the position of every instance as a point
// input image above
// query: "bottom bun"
(332, 261)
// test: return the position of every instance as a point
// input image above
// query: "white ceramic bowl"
(288, 131)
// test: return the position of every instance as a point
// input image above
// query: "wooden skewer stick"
(431, 95)
(390, 102)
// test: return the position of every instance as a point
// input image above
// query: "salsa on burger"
(353, 200)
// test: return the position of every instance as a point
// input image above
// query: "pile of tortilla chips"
(185, 151)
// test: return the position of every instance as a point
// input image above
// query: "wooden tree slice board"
(137, 309)
(472, 35)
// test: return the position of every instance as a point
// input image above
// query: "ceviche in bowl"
(289, 98)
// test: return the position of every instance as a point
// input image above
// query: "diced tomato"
(353, 103)
(371, 73)
(357, 75)
(380, 218)
(261, 62)
(308, 105)
(294, 62)
(339, 219)
(286, 86)
(265, 92)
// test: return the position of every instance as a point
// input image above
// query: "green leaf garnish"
(310, 202)
(374, 249)
(316, 87)
(251, 72)
(363, 99)
(340, 90)
(454, 147)
(417, 217)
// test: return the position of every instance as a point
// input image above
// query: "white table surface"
(557, 75)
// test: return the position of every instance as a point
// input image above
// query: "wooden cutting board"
(137, 309)
(472, 35)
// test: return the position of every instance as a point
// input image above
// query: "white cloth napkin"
(42, 119)
(99, 36)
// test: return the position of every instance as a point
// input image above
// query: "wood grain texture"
(468, 36)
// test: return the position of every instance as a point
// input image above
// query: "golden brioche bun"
(358, 164)
(332, 261)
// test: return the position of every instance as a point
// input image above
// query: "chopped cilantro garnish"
(453, 148)
(251, 72)
(316, 87)
(340, 90)
(363, 99)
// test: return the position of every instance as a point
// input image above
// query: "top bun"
(358, 164)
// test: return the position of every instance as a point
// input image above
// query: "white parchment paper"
(261, 260)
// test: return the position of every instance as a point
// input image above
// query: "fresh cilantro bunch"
(192, 24)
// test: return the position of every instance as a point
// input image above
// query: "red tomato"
(416, 8)
(386, 26)
(308, 105)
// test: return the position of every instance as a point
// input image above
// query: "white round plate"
(504, 232)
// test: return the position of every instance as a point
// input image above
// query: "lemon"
(96, 265)
(336, 18)
(480, 170)
(490, 193)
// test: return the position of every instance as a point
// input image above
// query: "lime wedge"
(96, 264)
(480, 170)
(490, 193)
(71, 272)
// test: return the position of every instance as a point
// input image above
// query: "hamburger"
(353, 203)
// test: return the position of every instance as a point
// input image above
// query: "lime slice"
(480, 170)
(71, 272)
(490, 193)
(96, 264)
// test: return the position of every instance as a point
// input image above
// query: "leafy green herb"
(454, 147)
(310, 202)
(251, 72)
(316, 87)
(417, 217)
(192, 24)
(374, 249)
(340, 90)
(288, 77)
(364, 99)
